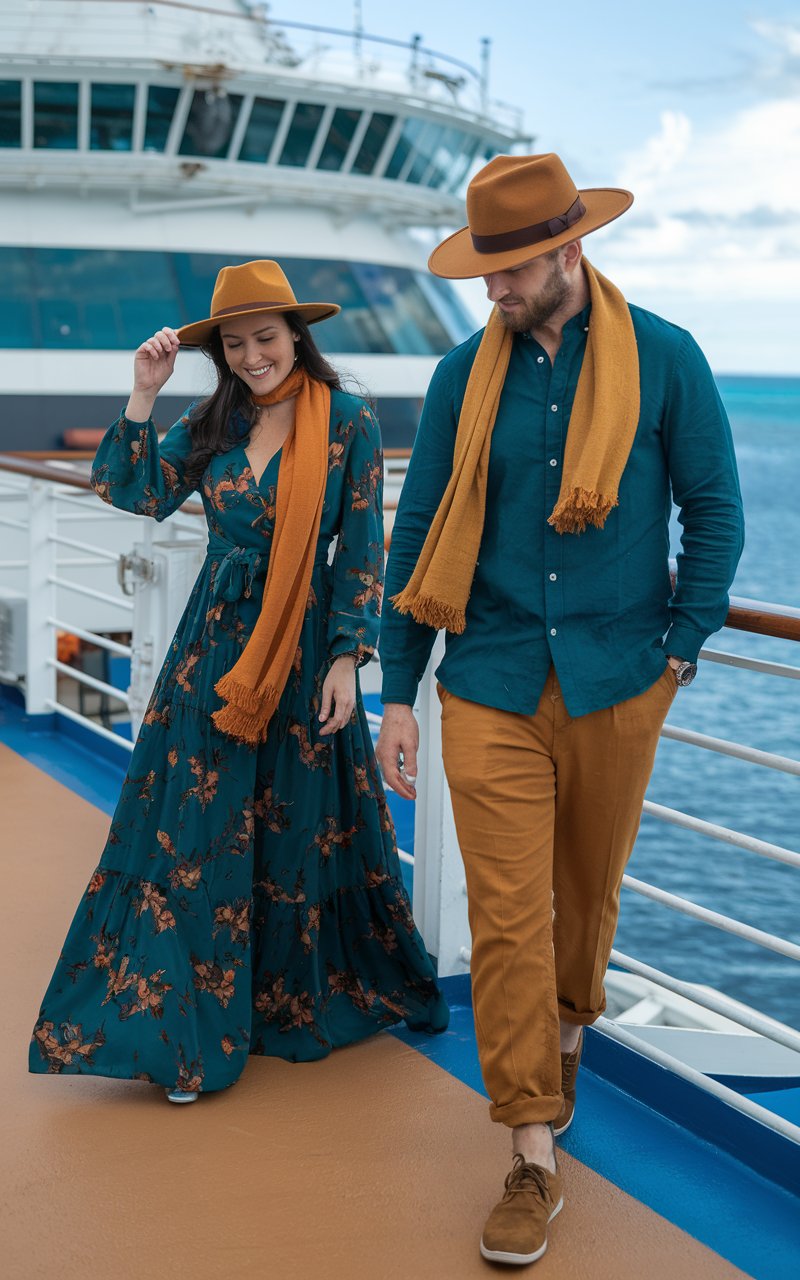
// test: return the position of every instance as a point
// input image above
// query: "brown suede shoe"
(516, 1229)
(569, 1074)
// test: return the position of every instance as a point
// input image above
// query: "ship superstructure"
(142, 146)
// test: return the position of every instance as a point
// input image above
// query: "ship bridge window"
(372, 142)
(112, 117)
(10, 113)
(262, 127)
(55, 114)
(463, 163)
(405, 145)
(340, 135)
(426, 149)
(161, 101)
(445, 153)
(209, 126)
(302, 132)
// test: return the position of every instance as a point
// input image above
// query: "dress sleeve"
(134, 472)
(358, 561)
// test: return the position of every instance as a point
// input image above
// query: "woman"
(249, 897)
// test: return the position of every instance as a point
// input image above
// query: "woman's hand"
(153, 364)
(339, 691)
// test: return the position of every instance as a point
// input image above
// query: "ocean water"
(759, 710)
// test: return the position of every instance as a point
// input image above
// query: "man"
(533, 526)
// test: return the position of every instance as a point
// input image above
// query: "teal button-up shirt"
(597, 605)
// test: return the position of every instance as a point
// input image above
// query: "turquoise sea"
(759, 710)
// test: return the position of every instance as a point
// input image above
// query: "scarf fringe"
(581, 507)
(248, 711)
(430, 612)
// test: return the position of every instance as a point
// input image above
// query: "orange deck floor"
(374, 1164)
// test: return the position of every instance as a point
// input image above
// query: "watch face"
(685, 673)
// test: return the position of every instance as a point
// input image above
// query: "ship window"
(112, 117)
(340, 135)
(111, 299)
(55, 114)
(10, 113)
(445, 153)
(302, 132)
(372, 142)
(463, 162)
(425, 151)
(261, 129)
(161, 101)
(209, 126)
(405, 145)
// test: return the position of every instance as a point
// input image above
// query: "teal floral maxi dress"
(248, 900)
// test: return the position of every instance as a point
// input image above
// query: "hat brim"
(456, 258)
(197, 335)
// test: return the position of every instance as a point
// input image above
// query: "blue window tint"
(10, 113)
(18, 327)
(405, 145)
(399, 305)
(445, 154)
(111, 126)
(55, 115)
(463, 161)
(340, 135)
(426, 148)
(302, 132)
(372, 143)
(83, 299)
(261, 129)
(209, 126)
(161, 101)
(443, 300)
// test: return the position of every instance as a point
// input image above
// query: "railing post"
(440, 902)
(40, 676)
(167, 570)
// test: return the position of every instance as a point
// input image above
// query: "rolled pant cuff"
(577, 1019)
(541, 1110)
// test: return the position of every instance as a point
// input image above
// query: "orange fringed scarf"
(602, 425)
(252, 689)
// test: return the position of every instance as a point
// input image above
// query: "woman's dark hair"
(213, 423)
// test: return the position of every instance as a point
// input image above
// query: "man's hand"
(398, 742)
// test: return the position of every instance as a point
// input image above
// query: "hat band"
(530, 235)
(253, 306)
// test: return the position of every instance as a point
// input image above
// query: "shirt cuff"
(399, 686)
(342, 644)
(684, 642)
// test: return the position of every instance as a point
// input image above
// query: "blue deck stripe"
(741, 1215)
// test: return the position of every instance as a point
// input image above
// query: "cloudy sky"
(693, 105)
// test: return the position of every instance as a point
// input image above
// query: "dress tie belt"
(240, 567)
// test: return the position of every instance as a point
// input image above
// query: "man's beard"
(536, 312)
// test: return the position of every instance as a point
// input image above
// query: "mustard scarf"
(602, 426)
(252, 689)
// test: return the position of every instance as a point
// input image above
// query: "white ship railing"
(145, 597)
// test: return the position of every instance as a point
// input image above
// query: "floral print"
(248, 900)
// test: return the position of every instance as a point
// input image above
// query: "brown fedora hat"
(248, 290)
(519, 207)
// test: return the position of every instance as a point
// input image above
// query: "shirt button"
(540, 359)
(553, 577)
(554, 462)
(553, 631)
(554, 408)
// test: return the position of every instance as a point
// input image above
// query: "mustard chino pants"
(547, 809)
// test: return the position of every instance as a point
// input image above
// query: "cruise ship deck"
(377, 1162)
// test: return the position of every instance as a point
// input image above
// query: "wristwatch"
(685, 673)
